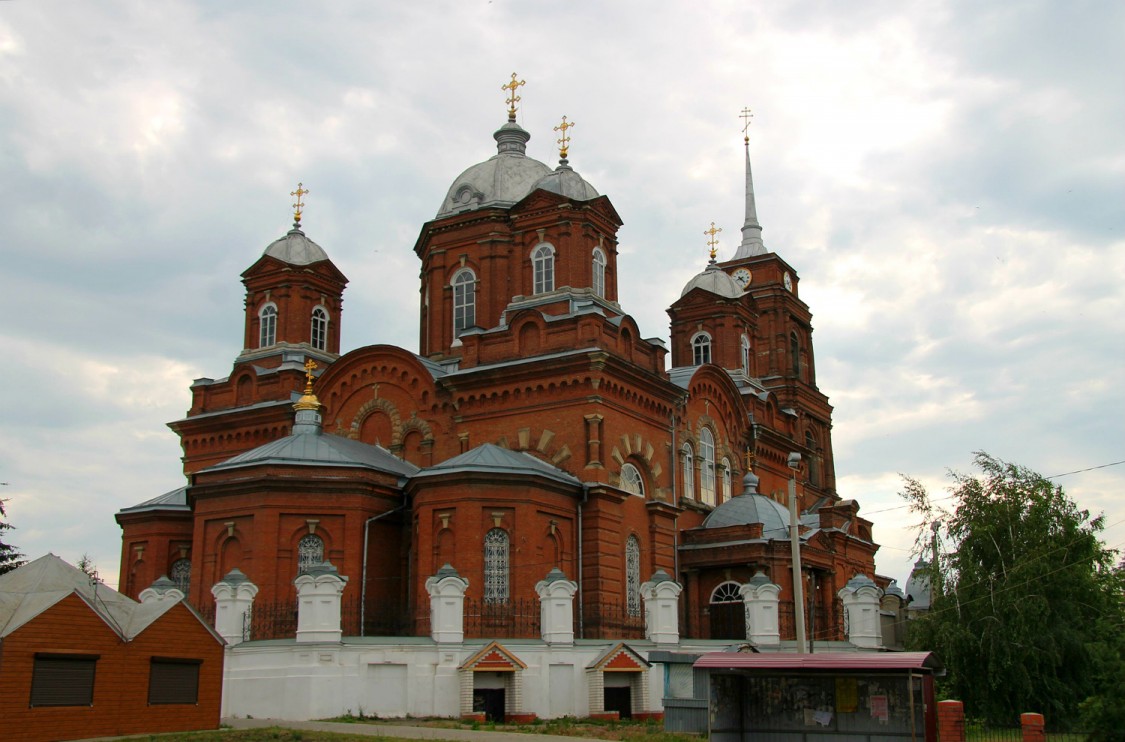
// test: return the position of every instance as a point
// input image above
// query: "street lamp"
(795, 544)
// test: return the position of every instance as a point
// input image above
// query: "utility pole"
(795, 544)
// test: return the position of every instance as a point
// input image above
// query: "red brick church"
(534, 428)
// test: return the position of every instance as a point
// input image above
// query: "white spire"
(751, 231)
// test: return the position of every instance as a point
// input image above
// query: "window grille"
(727, 592)
(310, 551)
(496, 563)
(633, 576)
(180, 573)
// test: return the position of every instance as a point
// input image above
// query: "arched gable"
(712, 394)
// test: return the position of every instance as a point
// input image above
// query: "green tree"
(1027, 612)
(86, 564)
(10, 557)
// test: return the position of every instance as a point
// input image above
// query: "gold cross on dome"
(310, 366)
(746, 116)
(564, 141)
(714, 241)
(512, 98)
(299, 205)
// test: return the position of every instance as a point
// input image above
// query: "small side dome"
(501, 180)
(566, 182)
(715, 280)
(296, 249)
(746, 509)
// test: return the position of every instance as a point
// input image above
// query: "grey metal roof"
(493, 459)
(501, 180)
(316, 448)
(296, 249)
(36, 586)
(564, 181)
(746, 509)
(174, 500)
(717, 281)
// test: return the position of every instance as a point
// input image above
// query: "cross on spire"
(512, 98)
(310, 366)
(714, 241)
(746, 116)
(300, 192)
(564, 141)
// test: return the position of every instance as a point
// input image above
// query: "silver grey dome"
(564, 181)
(501, 180)
(746, 509)
(715, 280)
(296, 249)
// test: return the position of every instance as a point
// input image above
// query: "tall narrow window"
(701, 349)
(631, 480)
(633, 576)
(707, 467)
(267, 317)
(310, 551)
(319, 329)
(599, 272)
(180, 573)
(811, 463)
(464, 301)
(496, 566)
(687, 464)
(794, 354)
(726, 479)
(746, 355)
(543, 263)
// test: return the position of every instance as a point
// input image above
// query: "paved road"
(396, 730)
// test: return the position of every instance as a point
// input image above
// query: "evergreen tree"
(10, 557)
(1027, 612)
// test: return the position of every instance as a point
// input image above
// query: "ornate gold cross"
(564, 141)
(513, 99)
(714, 241)
(310, 366)
(298, 206)
(746, 116)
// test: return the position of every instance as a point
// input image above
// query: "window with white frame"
(543, 264)
(464, 300)
(320, 329)
(746, 355)
(267, 321)
(310, 551)
(496, 566)
(631, 480)
(707, 467)
(633, 576)
(701, 349)
(599, 272)
(687, 464)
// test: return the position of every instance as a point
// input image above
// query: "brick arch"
(371, 407)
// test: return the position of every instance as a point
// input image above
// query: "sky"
(947, 178)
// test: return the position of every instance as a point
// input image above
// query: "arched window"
(701, 349)
(310, 551)
(727, 493)
(728, 592)
(687, 463)
(707, 467)
(633, 576)
(728, 612)
(543, 263)
(464, 301)
(794, 354)
(631, 480)
(180, 573)
(599, 272)
(746, 355)
(496, 563)
(267, 334)
(811, 463)
(320, 329)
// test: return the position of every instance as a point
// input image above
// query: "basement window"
(63, 679)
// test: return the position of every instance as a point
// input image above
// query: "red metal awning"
(864, 661)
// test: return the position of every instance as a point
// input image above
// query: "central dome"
(715, 280)
(501, 180)
(296, 249)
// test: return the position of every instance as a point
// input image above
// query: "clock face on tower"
(742, 276)
(788, 281)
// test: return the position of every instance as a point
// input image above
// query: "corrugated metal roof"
(870, 661)
(493, 459)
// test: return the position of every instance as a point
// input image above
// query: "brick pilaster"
(951, 721)
(1032, 726)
